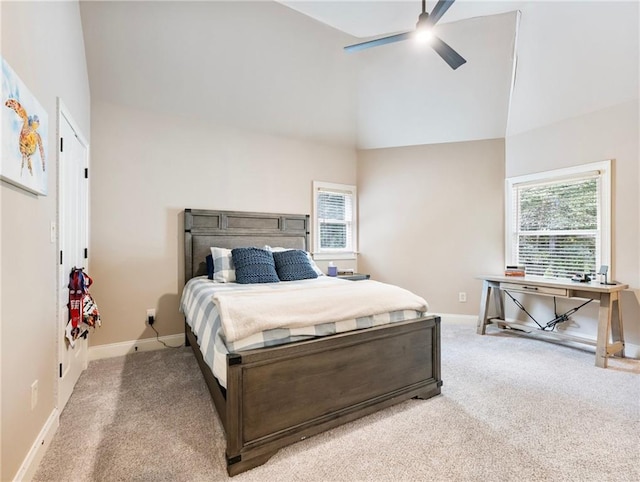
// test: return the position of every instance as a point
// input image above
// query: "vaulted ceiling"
(371, 18)
(280, 68)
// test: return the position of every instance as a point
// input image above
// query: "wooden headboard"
(232, 229)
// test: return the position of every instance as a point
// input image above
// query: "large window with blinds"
(334, 216)
(558, 222)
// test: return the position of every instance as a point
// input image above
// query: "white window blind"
(334, 213)
(557, 225)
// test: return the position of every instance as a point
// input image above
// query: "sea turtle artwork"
(29, 136)
(24, 129)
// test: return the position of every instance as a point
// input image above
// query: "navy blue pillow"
(254, 265)
(292, 265)
(210, 266)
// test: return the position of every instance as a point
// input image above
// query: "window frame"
(333, 254)
(603, 168)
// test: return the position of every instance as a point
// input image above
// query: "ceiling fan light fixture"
(423, 35)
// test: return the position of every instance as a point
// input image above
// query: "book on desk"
(515, 270)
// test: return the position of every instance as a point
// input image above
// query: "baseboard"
(631, 350)
(455, 318)
(30, 464)
(133, 346)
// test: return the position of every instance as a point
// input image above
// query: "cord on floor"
(158, 338)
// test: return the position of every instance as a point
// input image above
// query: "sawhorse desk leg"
(607, 323)
(483, 317)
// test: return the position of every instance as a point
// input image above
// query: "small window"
(334, 220)
(558, 222)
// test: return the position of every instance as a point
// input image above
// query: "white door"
(73, 209)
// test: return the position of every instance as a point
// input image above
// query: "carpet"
(512, 408)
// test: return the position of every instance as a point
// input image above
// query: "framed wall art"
(24, 161)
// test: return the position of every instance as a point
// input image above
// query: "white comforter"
(245, 313)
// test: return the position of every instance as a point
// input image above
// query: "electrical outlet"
(462, 297)
(34, 394)
(151, 316)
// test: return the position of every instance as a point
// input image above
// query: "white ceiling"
(270, 68)
(370, 18)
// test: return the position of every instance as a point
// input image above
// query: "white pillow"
(224, 271)
(311, 261)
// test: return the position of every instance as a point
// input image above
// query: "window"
(559, 222)
(334, 220)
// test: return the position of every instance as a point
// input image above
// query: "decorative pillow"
(313, 264)
(254, 265)
(223, 269)
(292, 265)
(209, 266)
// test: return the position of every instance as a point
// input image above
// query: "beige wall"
(431, 219)
(146, 169)
(43, 44)
(611, 133)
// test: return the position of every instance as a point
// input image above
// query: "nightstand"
(354, 276)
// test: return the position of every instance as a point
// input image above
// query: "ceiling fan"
(426, 22)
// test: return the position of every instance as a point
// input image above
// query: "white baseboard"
(631, 350)
(132, 346)
(455, 318)
(148, 344)
(30, 464)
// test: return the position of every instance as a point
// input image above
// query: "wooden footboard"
(278, 396)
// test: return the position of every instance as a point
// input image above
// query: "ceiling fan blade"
(439, 10)
(450, 56)
(379, 41)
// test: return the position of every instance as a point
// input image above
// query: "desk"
(609, 313)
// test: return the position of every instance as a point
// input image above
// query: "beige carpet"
(512, 409)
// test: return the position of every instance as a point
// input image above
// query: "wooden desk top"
(594, 286)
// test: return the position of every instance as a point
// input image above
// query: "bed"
(322, 381)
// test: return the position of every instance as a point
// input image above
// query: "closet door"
(73, 220)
